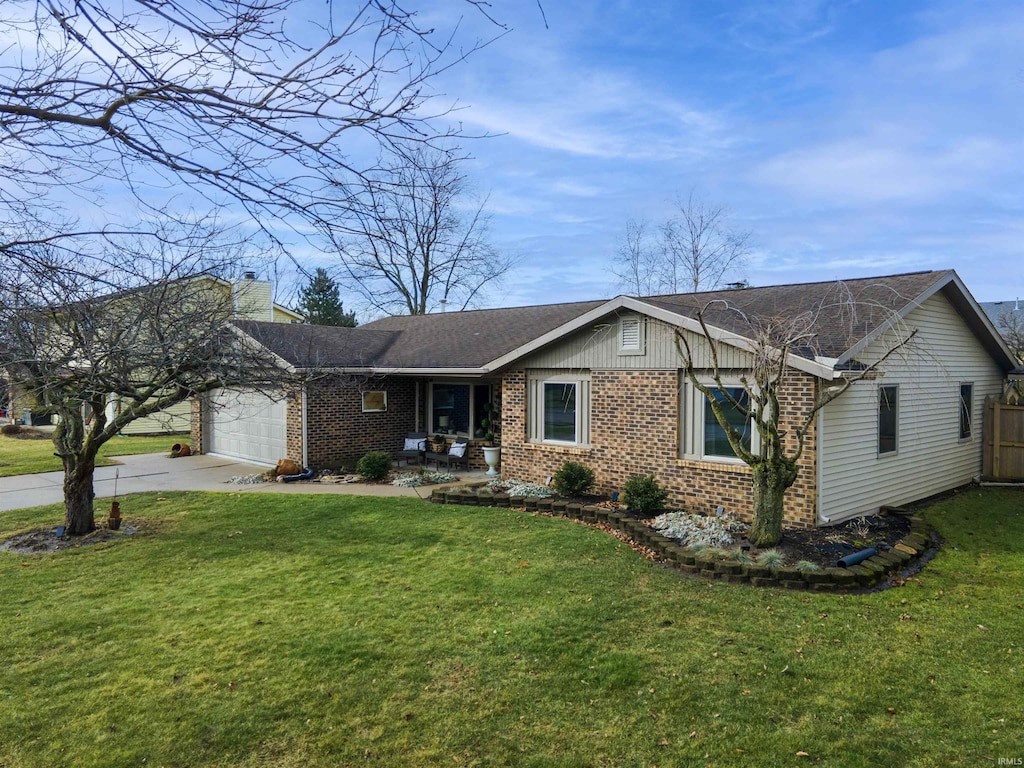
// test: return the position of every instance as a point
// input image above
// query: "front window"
(966, 398)
(458, 409)
(715, 441)
(560, 412)
(888, 418)
(558, 408)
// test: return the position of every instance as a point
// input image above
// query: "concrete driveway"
(157, 472)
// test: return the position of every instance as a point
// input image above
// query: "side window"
(966, 411)
(715, 441)
(888, 418)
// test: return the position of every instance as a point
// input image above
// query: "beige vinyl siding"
(253, 300)
(599, 348)
(283, 315)
(176, 419)
(930, 457)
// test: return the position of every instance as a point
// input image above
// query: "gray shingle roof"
(472, 339)
(468, 339)
(837, 329)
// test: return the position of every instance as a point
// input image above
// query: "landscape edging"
(870, 573)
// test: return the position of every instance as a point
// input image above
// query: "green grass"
(267, 630)
(25, 457)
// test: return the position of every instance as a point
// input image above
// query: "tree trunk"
(770, 480)
(78, 496)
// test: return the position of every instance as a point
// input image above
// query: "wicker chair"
(419, 439)
(457, 456)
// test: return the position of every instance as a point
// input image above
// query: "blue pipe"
(306, 474)
(856, 557)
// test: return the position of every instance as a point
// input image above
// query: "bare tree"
(772, 343)
(1011, 326)
(176, 106)
(637, 263)
(124, 124)
(149, 329)
(418, 243)
(696, 249)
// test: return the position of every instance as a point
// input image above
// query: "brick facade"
(634, 429)
(338, 433)
(196, 426)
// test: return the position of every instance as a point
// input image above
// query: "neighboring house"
(253, 300)
(995, 310)
(600, 383)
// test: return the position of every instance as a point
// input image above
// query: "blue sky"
(851, 138)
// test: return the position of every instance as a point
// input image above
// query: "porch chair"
(415, 447)
(457, 455)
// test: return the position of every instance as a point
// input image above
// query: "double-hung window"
(966, 411)
(888, 418)
(701, 436)
(559, 409)
(716, 443)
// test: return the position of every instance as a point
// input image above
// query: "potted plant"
(492, 452)
(437, 443)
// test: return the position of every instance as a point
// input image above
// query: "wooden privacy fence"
(1003, 433)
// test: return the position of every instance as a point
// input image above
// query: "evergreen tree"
(320, 303)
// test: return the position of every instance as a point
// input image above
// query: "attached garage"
(245, 425)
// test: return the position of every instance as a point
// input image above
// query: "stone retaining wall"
(865, 575)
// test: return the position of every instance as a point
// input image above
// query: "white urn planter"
(492, 455)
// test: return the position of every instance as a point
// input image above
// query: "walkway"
(157, 472)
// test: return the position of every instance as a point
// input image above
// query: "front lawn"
(292, 630)
(27, 455)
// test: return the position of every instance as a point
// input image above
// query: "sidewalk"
(157, 472)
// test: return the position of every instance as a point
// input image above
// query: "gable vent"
(631, 335)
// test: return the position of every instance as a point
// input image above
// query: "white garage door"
(246, 425)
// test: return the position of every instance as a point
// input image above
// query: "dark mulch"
(45, 540)
(28, 433)
(824, 546)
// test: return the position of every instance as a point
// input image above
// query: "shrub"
(643, 494)
(10, 429)
(375, 465)
(772, 558)
(573, 479)
(807, 565)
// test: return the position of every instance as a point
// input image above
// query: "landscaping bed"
(804, 559)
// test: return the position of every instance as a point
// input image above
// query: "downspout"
(305, 443)
(819, 449)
